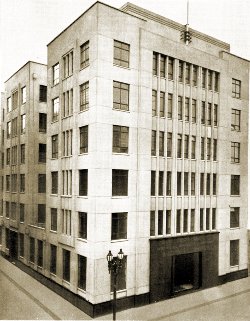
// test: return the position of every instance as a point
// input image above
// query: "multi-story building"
(23, 168)
(146, 151)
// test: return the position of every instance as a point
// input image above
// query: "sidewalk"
(59, 308)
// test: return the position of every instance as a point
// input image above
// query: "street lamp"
(114, 266)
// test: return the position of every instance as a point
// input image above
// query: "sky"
(27, 26)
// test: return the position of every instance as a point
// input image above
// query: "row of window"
(12, 101)
(11, 183)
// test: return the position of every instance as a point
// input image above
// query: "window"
(84, 96)
(119, 226)
(161, 143)
(22, 212)
(13, 211)
(181, 69)
(178, 221)
(7, 183)
(192, 220)
(215, 149)
(170, 68)
(180, 108)
(121, 54)
(40, 253)
(8, 129)
(153, 143)
(236, 88)
(154, 102)
(42, 153)
(185, 221)
(41, 183)
(42, 123)
(66, 265)
(84, 139)
(179, 146)
(14, 127)
(193, 110)
(195, 75)
(120, 96)
(82, 272)
(55, 74)
(213, 218)
(208, 148)
(186, 146)
(84, 55)
(160, 183)
(201, 219)
(67, 182)
(32, 250)
(67, 103)
(186, 183)
(53, 219)
(83, 182)
(42, 94)
(152, 223)
(170, 105)
(168, 184)
(21, 244)
(210, 79)
(187, 73)
(162, 104)
(23, 123)
(8, 156)
(235, 152)
(15, 99)
(160, 222)
(23, 95)
(54, 142)
(153, 177)
(208, 184)
(168, 222)
(202, 148)
(214, 184)
(54, 182)
(234, 217)
(179, 179)
(68, 63)
(14, 183)
(119, 182)
(235, 184)
(234, 252)
(55, 109)
(203, 112)
(7, 209)
(169, 144)
(193, 147)
(53, 255)
(215, 115)
(207, 219)
(67, 137)
(192, 183)
(186, 109)
(22, 183)
(41, 215)
(82, 225)
(121, 280)
(163, 66)
(203, 76)
(120, 139)
(155, 66)
(9, 106)
(235, 120)
(66, 222)
(209, 114)
(14, 155)
(216, 81)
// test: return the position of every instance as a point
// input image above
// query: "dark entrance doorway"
(186, 272)
(13, 243)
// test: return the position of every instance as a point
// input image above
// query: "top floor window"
(84, 55)
(195, 75)
(23, 91)
(43, 93)
(236, 88)
(9, 105)
(55, 74)
(121, 54)
(170, 68)
(120, 95)
(163, 66)
(68, 64)
(15, 99)
(181, 66)
(216, 81)
(155, 67)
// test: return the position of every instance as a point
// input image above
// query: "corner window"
(234, 217)
(53, 219)
(236, 88)
(119, 226)
(235, 185)
(121, 54)
(234, 252)
(120, 139)
(82, 225)
(43, 94)
(55, 109)
(83, 182)
(83, 139)
(119, 182)
(120, 96)
(55, 74)
(84, 55)
(23, 95)
(84, 96)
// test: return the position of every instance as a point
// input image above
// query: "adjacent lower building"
(146, 152)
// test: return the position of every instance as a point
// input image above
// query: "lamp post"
(114, 266)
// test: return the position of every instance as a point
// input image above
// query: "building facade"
(146, 151)
(23, 162)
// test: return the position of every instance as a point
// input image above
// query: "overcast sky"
(27, 26)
